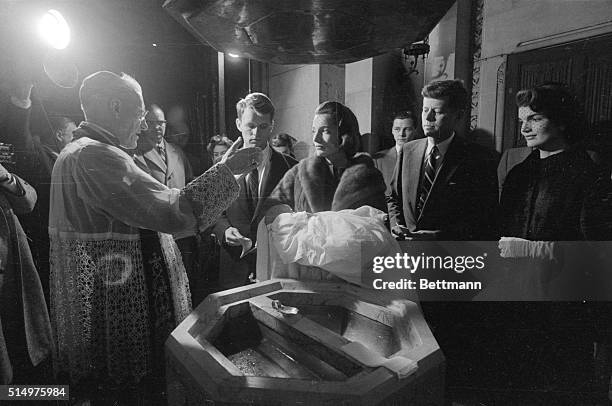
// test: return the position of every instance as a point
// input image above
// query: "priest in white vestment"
(105, 303)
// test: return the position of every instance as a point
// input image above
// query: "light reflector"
(54, 29)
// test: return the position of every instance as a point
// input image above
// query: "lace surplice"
(99, 304)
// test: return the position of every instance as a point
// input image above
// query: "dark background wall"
(393, 90)
(236, 87)
(119, 36)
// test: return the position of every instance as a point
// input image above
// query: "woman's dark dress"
(548, 345)
(558, 198)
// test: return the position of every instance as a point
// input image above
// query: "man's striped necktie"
(252, 182)
(429, 175)
(162, 152)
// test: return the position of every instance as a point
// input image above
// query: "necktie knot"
(435, 152)
(337, 172)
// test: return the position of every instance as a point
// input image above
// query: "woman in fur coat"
(335, 178)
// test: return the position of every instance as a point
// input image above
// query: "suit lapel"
(273, 174)
(392, 154)
(153, 156)
(391, 158)
(171, 159)
(141, 163)
(453, 158)
(240, 211)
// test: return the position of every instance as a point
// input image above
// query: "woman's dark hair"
(348, 126)
(283, 140)
(559, 105)
(218, 140)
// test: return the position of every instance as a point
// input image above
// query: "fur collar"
(360, 184)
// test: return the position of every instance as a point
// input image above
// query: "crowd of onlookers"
(120, 238)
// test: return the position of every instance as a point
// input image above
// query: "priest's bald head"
(115, 103)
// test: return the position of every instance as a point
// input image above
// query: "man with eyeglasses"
(164, 161)
(168, 164)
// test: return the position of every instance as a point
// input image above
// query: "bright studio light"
(54, 29)
(233, 55)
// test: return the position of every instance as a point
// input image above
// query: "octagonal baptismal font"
(288, 342)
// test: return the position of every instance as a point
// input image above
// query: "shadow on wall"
(482, 137)
(370, 143)
(302, 150)
(400, 92)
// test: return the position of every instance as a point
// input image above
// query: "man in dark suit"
(168, 164)
(403, 130)
(444, 188)
(255, 122)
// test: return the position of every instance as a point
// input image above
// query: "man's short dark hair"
(453, 89)
(259, 102)
(405, 115)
